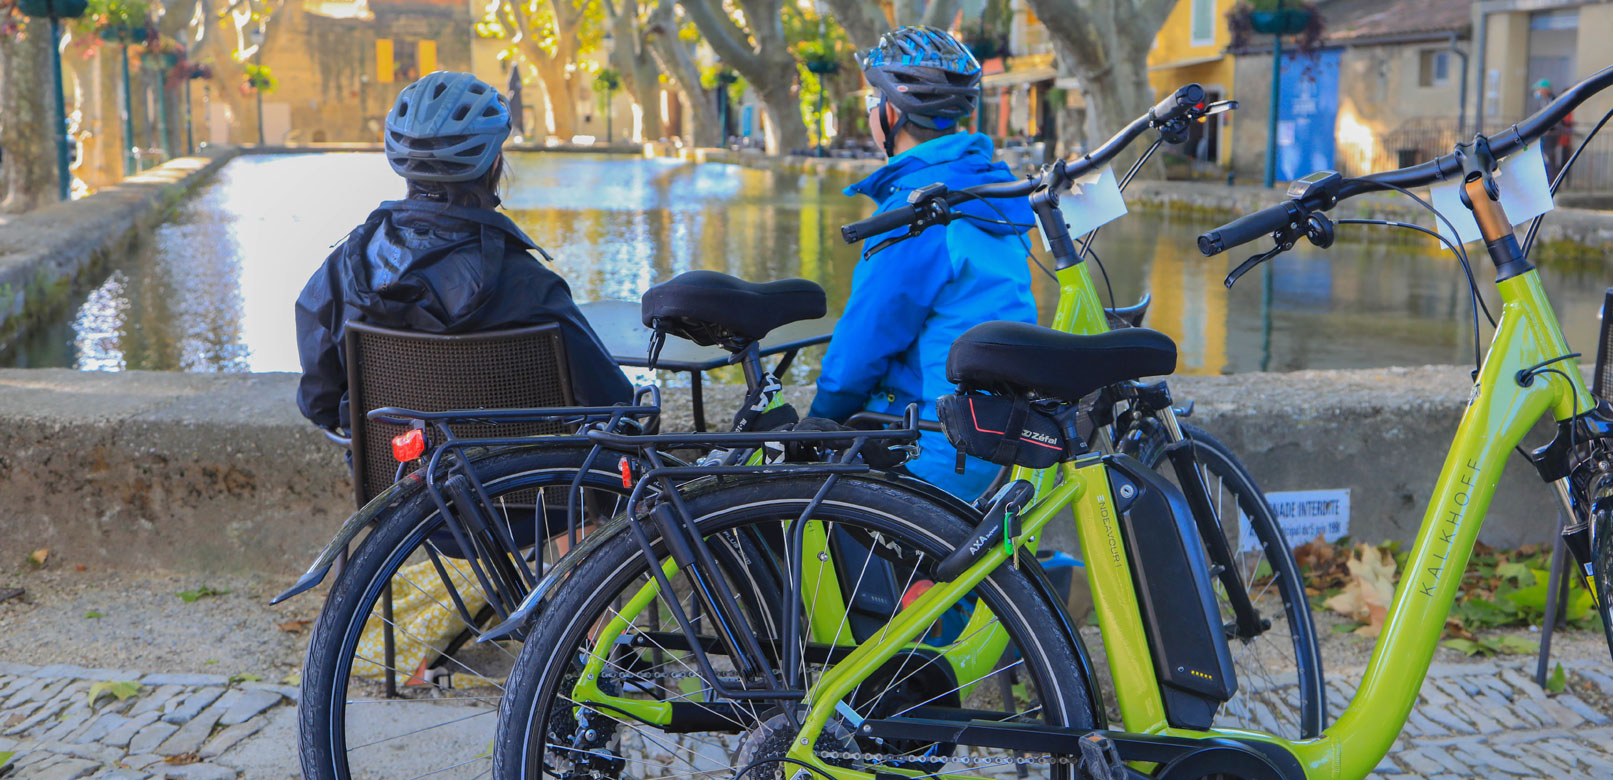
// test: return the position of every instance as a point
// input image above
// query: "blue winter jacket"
(910, 301)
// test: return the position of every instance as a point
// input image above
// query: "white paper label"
(1093, 201)
(1302, 514)
(1525, 194)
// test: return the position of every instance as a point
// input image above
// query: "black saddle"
(709, 308)
(1013, 357)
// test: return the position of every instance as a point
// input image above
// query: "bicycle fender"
(350, 530)
(554, 574)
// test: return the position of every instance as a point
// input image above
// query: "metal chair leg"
(390, 651)
(698, 400)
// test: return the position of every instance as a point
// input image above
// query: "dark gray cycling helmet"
(931, 78)
(446, 127)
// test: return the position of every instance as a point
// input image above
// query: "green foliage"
(716, 75)
(259, 78)
(205, 591)
(498, 22)
(607, 80)
(121, 690)
(91, 615)
(1558, 681)
(118, 15)
(816, 41)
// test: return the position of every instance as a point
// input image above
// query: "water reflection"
(213, 290)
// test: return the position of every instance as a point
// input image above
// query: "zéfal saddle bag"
(1009, 431)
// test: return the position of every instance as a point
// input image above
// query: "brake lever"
(1249, 265)
(1316, 228)
(889, 242)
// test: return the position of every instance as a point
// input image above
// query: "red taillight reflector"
(408, 446)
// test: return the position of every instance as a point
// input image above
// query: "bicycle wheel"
(440, 720)
(604, 689)
(1602, 562)
(1280, 681)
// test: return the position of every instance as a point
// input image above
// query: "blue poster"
(1309, 110)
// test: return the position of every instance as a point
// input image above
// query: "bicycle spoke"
(422, 730)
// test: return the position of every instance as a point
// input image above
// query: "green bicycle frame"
(1500, 412)
(979, 644)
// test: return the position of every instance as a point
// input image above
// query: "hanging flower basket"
(823, 67)
(64, 9)
(1288, 21)
(123, 33)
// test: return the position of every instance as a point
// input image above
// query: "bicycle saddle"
(709, 308)
(1015, 357)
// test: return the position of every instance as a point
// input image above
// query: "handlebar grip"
(878, 223)
(1177, 103)
(1249, 227)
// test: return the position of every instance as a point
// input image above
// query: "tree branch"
(940, 13)
(725, 38)
(862, 21)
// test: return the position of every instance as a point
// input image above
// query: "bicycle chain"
(887, 758)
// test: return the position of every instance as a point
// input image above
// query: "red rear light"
(409, 446)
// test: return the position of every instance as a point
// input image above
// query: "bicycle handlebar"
(1183, 103)
(1274, 218)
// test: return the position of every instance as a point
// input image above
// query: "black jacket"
(427, 266)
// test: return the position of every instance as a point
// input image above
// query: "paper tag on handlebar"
(1092, 202)
(1525, 194)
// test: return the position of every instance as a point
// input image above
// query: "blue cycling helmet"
(446, 127)
(931, 78)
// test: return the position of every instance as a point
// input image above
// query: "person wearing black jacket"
(442, 260)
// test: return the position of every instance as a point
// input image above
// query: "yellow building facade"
(1192, 47)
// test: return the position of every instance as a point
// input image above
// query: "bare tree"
(631, 56)
(760, 53)
(933, 13)
(677, 62)
(27, 118)
(1105, 44)
(561, 31)
(862, 20)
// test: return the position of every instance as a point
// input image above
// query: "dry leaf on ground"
(1371, 587)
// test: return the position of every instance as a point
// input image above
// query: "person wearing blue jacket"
(910, 301)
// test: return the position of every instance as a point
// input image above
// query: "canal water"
(213, 290)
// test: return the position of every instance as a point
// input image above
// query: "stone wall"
(192, 472)
(46, 254)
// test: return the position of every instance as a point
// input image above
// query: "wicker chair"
(518, 368)
(435, 372)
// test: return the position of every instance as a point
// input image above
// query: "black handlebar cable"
(1455, 249)
(1534, 225)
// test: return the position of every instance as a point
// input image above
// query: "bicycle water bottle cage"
(1478, 163)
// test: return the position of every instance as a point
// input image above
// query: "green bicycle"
(626, 673)
(598, 692)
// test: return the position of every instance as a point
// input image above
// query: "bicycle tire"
(326, 745)
(536, 702)
(1290, 702)
(1602, 563)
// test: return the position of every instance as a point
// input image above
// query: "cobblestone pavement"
(1490, 720)
(1483, 720)
(190, 726)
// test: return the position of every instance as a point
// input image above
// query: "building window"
(1434, 68)
(1203, 22)
(384, 62)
